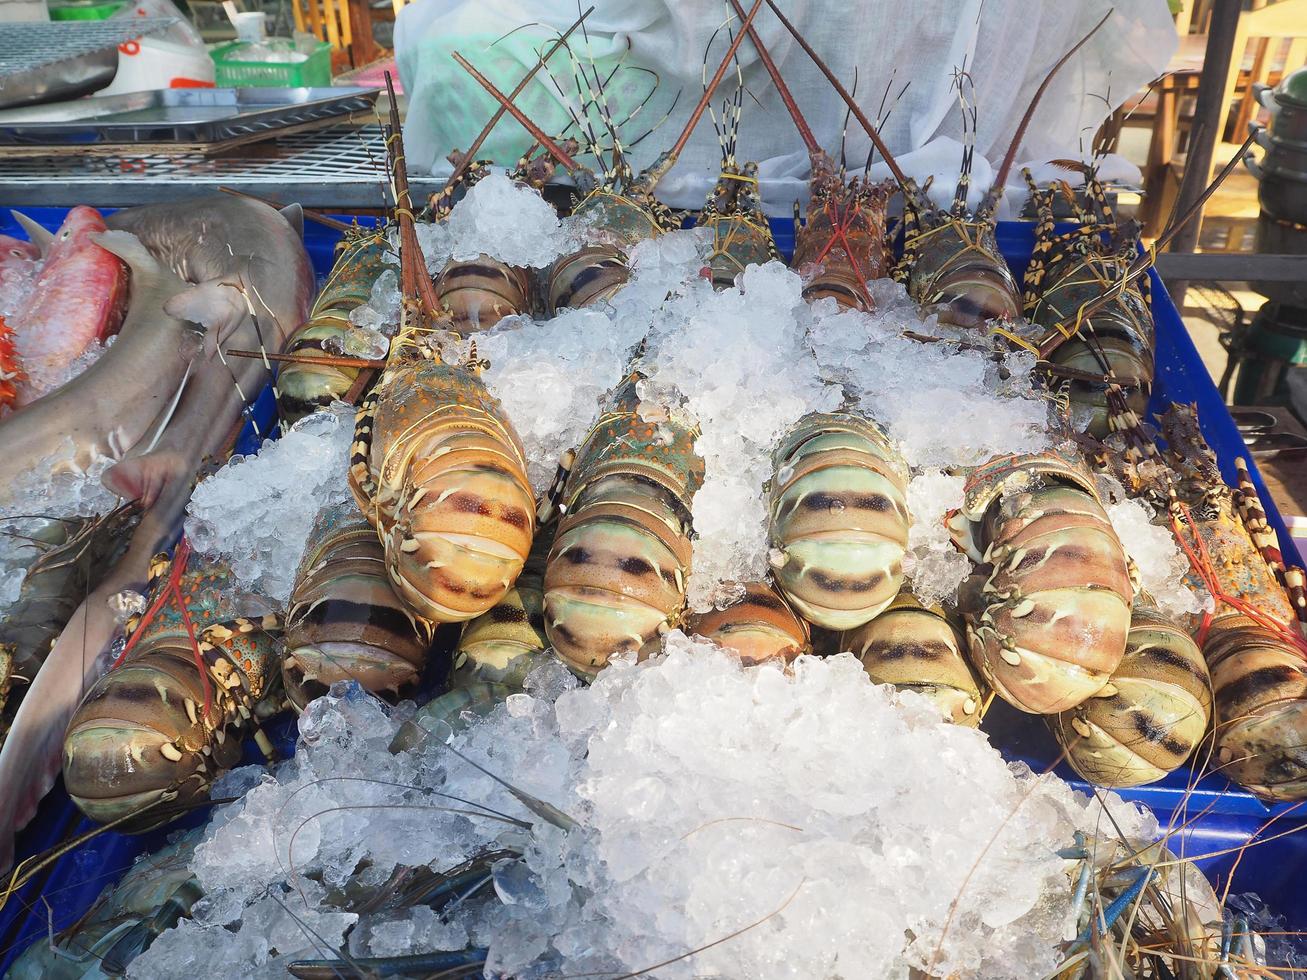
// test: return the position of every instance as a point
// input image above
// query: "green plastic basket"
(233, 72)
(86, 11)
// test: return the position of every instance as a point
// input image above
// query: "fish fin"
(215, 305)
(294, 215)
(145, 478)
(40, 236)
(128, 247)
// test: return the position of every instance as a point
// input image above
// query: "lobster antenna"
(858, 114)
(844, 128)
(666, 115)
(882, 120)
(413, 267)
(550, 146)
(721, 130)
(463, 164)
(599, 99)
(1059, 335)
(1000, 178)
(783, 90)
(679, 145)
(962, 78)
(582, 122)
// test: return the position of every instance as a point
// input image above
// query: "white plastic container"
(152, 63)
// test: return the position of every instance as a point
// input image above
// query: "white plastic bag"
(1007, 46)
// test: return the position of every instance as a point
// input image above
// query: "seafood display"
(533, 737)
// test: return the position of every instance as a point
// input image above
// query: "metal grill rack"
(340, 166)
(26, 47)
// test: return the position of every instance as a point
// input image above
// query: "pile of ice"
(723, 821)
(736, 363)
(57, 487)
(944, 406)
(38, 385)
(1162, 566)
(257, 511)
(499, 218)
(17, 278)
(933, 565)
(551, 375)
(372, 323)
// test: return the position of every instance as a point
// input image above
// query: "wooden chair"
(1282, 21)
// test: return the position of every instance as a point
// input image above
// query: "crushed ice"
(499, 218)
(736, 363)
(257, 510)
(933, 566)
(1162, 567)
(706, 798)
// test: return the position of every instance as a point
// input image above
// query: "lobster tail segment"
(1048, 613)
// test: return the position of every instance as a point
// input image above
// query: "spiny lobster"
(192, 680)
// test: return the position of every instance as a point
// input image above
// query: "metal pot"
(1282, 179)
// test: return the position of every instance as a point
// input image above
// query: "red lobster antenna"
(783, 90)
(893, 165)
(693, 121)
(1000, 177)
(550, 146)
(466, 161)
(413, 268)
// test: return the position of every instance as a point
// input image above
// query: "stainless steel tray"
(199, 115)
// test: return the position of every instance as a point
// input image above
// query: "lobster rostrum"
(1048, 612)
(344, 620)
(169, 717)
(1066, 272)
(838, 519)
(615, 578)
(435, 466)
(1152, 713)
(951, 262)
(756, 626)
(918, 647)
(1252, 640)
(314, 380)
(617, 205)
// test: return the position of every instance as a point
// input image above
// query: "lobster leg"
(1044, 236)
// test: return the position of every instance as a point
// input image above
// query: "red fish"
(79, 297)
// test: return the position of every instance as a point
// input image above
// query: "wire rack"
(26, 47)
(339, 166)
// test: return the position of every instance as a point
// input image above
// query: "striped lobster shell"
(440, 472)
(952, 264)
(1066, 273)
(741, 235)
(1252, 642)
(1152, 713)
(838, 519)
(141, 735)
(595, 272)
(479, 293)
(344, 620)
(503, 645)
(616, 575)
(758, 625)
(841, 245)
(1047, 626)
(916, 647)
(303, 387)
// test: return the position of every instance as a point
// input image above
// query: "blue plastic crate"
(1217, 816)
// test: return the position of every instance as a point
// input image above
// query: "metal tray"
(197, 115)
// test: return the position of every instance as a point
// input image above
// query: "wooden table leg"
(1161, 148)
(364, 48)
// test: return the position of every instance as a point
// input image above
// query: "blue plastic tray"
(1217, 816)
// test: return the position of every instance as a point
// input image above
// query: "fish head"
(75, 234)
